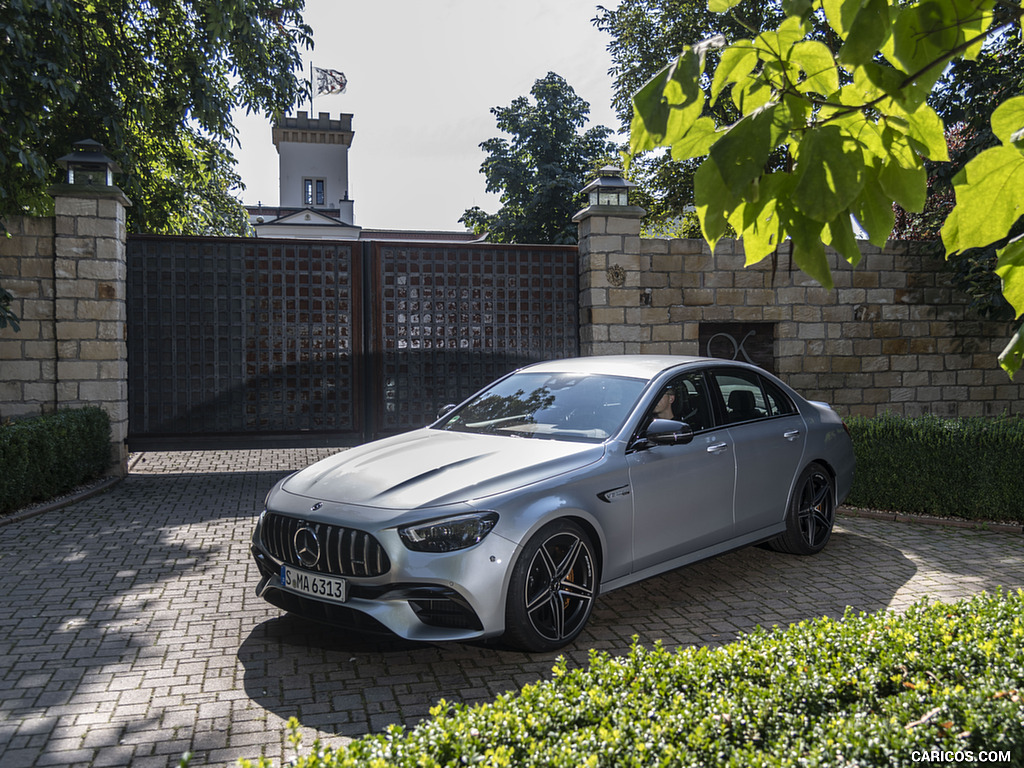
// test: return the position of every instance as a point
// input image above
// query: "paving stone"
(134, 634)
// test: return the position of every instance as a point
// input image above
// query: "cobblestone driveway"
(130, 632)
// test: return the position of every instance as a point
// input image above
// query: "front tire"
(811, 513)
(553, 588)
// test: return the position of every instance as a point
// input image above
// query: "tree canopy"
(156, 83)
(540, 170)
(644, 34)
(854, 123)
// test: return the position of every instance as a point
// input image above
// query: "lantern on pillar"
(609, 188)
(89, 165)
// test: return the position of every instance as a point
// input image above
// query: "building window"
(313, 191)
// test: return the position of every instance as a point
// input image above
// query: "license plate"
(314, 584)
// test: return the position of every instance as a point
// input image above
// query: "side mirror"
(444, 410)
(668, 432)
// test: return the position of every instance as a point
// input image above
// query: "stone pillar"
(90, 310)
(614, 301)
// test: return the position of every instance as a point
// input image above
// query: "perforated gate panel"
(231, 336)
(456, 317)
(351, 340)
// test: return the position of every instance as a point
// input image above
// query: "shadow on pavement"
(350, 684)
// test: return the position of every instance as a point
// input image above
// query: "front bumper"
(422, 596)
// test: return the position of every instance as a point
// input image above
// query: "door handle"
(792, 435)
(717, 448)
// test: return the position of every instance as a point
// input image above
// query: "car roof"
(635, 366)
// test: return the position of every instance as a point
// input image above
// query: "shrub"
(881, 689)
(43, 457)
(969, 468)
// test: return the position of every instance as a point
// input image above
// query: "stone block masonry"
(68, 279)
(893, 335)
(28, 370)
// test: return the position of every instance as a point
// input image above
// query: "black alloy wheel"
(811, 514)
(553, 588)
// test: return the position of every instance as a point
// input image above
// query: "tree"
(541, 169)
(156, 83)
(856, 128)
(644, 35)
(965, 97)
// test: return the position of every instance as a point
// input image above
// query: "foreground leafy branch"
(853, 125)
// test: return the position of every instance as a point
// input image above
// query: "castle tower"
(313, 162)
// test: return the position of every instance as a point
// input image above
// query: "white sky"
(422, 78)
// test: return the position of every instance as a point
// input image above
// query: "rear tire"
(553, 588)
(811, 513)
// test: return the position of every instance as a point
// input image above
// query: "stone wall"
(892, 336)
(68, 277)
(28, 357)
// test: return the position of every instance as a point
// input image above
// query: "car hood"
(431, 467)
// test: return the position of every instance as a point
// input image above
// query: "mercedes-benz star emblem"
(307, 547)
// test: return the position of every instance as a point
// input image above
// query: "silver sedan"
(512, 512)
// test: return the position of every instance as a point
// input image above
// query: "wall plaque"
(747, 342)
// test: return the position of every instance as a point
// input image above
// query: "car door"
(768, 436)
(682, 494)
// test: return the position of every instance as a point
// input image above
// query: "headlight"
(449, 533)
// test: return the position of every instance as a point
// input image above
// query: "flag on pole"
(330, 81)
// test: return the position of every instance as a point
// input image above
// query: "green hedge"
(970, 468)
(43, 457)
(939, 684)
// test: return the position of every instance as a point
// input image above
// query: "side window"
(748, 396)
(779, 404)
(742, 396)
(686, 399)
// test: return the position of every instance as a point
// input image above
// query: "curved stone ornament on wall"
(748, 342)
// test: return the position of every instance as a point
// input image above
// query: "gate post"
(90, 308)
(612, 298)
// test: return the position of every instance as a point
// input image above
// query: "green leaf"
(798, 8)
(865, 133)
(721, 6)
(906, 186)
(697, 141)
(808, 248)
(1012, 357)
(922, 35)
(975, 18)
(742, 152)
(818, 64)
(873, 209)
(841, 13)
(1008, 120)
(926, 127)
(829, 173)
(1010, 269)
(868, 30)
(757, 221)
(839, 234)
(713, 200)
(667, 105)
(989, 199)
(737, 63)
(776, 44)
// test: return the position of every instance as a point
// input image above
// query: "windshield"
(560, 406)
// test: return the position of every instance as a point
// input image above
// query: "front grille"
(343, 551)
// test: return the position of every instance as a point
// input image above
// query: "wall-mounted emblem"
(616, 275)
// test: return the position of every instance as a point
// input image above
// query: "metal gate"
(253, 340)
